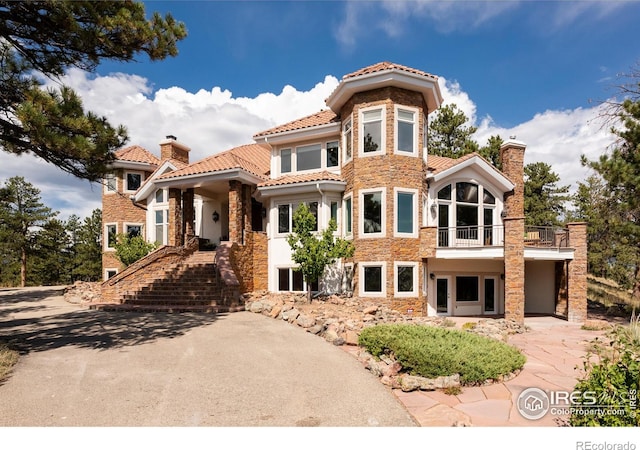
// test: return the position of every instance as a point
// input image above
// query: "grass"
(433, 352)
(609, 294)
(8, 359)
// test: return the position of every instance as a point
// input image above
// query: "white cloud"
(207, 121)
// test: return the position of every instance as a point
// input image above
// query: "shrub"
(613, 372)
(129, 249)
(8, 358)
(433, 351)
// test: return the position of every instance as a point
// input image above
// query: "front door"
(443, 296)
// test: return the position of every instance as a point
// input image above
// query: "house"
(432, 235)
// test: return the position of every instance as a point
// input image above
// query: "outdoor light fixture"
(215, 216)
(432, 276)
(434, 209)
(264, 212)
(503, 214)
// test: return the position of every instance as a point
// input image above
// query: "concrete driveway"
(91, 368)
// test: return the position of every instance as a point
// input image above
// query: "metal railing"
(493, 236)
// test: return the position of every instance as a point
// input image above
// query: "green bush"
(612, 371)
(432, 351)
(129, 249)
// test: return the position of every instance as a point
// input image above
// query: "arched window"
(465, 215)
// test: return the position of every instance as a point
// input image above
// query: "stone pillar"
(514, 269)
(246, 209)
(175, 217)
(188, 214)
(561, 288)
(235, 211)
(512, 158)
(577, 273)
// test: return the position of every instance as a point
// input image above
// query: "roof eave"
(302, 187)
(282, 137)
(199, 179)
(500, 179)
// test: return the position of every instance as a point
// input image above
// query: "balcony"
(493, 236)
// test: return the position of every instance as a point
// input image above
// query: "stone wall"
(561, 289)
(577, 273)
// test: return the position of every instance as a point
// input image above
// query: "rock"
(370, 310)
(316, 329)
(411, 382)
(305, 321)
(256, 307)
(332, 336)
(275, 311)
(290, 315)
(351, 337)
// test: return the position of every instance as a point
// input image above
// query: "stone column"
(188, 214)
(561, 288)
(235, 211)
(577, 276)
(512, 157)
(175, 217)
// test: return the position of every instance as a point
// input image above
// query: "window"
(134, 180)
(467, 289)
(372, 132)
(348, 216)
(467, 210)
(161, 226)
(110, 273)
(309, 157)
(332, 154)
(313, 208)
(347, 135)
(285, 160)
(133, 230)
(406, 128)
(372, 207)
(111, 231)
(290, 280)
(406, 212)
(284, 218)
(406, 279)
(347, 278)
(161, 196)
(110, 182)
(334, 212)
(372, 279)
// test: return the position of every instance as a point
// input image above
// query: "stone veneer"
(577, 273)
(387, 171)
(249, 262)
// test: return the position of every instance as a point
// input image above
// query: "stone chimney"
(170, 148)
(512, 158)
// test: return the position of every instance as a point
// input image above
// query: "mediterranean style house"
(432, 235)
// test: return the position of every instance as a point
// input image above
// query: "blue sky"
(534, 69)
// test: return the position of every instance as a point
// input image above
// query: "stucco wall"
(539, 287)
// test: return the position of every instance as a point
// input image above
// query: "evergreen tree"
(491, 151)
(50, 36)
(449, 135)
(88, 254)
(21, 212)
(544, 200)
(50, 255)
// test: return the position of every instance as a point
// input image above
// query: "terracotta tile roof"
(135, 153)
(302, 178)
(381, 66)
(178, 164)
(438, 164)
(320, 118)
(252, 158)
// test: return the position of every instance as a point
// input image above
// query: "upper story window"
(372, 132)
(348, 215)
(285, 160)
(347, 136)
(406, 131)
(406, 212)
(133, 181)
(110, 183)
(111, 233)
(372, 212)
(285, 215)
(133, 230)
(161, 196)
(309, 157)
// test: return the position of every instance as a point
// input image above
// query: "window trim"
(414, 232)
(416, 135)
(133, 224)
(396, 266)
(345, 211)
(291, 271)
(361, 267)
(125, 180)
(349, 121)
(106, 236)
(383, 131)
(280, 160)
(383, 214)
(110, 269)
(165, 225)
(106, 189)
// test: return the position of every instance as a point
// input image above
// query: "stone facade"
(577, 273)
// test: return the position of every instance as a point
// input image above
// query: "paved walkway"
(93, 368)
(554, 350)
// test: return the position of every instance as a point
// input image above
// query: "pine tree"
(21, 212)
(88, 254)
(49, 37)
(544, 200)
(448, 134)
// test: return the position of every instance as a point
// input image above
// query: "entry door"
(490, 294)
(443, 296)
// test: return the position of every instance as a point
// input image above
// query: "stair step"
(165, 308)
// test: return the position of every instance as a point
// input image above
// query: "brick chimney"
(170, 148)
(512, 157)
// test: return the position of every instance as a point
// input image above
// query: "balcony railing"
(493, 236)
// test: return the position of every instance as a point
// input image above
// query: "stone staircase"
(191, 285)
